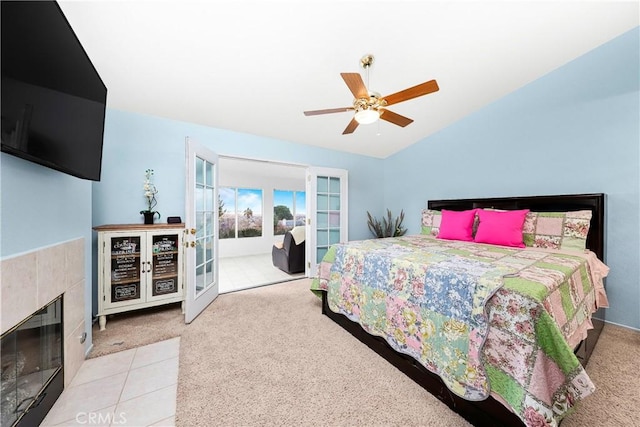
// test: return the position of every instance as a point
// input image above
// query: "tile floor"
(138, 387)
(248, 271)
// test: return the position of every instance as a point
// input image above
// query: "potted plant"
(388, 227)
(150, 192)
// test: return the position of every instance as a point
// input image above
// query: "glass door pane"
(205, 208)
(202, 211)
(328, 206)
(327, 190)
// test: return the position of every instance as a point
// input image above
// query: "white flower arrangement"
(150, 192)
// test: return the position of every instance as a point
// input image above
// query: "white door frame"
(311, 267)
(196, 300)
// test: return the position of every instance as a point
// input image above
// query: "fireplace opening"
(32, 367)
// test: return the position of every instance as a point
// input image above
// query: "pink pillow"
(501, 227)
(457, 225)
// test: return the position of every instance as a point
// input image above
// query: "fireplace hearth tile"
(156, 352)
(32, 280)
(51, 270)
(73, 307)
(149, 378)
(19, 290)
(158, 406)
(74, 353)
(171, 421)
(86, 398)
(75, 261)
(149, 408)
(104, 366)
(100, 418)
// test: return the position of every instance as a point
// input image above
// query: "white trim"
(195, 303)
(311, 177)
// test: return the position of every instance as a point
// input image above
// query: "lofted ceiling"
(255, 66)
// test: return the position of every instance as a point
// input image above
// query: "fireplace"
(32, 366)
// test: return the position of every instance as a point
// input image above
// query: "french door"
(201, 229)
(327, 209)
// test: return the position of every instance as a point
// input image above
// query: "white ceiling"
(255, 66)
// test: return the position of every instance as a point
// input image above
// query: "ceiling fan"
(370, 106)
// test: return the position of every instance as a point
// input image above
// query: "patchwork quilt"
(487, 319)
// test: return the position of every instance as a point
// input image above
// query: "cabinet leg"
(102, 320)
(182, 306)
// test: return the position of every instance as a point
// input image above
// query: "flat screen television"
(53, 100)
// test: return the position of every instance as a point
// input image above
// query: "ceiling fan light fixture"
(367, 116)
(369, 106)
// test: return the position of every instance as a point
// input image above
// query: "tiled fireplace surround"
(30, 281)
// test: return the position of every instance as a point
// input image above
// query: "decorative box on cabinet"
(139, 266)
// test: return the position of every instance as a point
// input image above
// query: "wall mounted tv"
(53, 100)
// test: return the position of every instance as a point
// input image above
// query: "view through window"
(289, 210)
(240, 212)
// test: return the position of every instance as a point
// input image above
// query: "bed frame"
(490, 412)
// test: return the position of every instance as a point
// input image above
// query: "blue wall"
(575, 130)
(135, 142)
(42, 207)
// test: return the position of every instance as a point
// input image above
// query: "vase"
(148, 217)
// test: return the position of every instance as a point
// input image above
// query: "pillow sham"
(457, 225)
(431, 220)
(501, 227)
(557, 230)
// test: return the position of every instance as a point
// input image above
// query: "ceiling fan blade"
(353, 124)
(395, 118)
(328, 111)
(355, 84)
(412, 92)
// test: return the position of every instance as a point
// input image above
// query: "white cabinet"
(139, 266)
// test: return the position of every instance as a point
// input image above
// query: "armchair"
(290, 257)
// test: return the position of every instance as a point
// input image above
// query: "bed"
(507, 347)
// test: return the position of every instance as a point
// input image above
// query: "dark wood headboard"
(555, 203)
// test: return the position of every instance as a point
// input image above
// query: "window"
(289, 210)
(227, 212)
(240, 212)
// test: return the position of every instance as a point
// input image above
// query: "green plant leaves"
(388, 227)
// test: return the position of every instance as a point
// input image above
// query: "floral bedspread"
(486, 319)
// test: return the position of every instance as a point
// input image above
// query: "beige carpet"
(137, 328)
(614, 369)
(267, 356)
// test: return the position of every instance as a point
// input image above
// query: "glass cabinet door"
(125, 265)
(166, 264)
